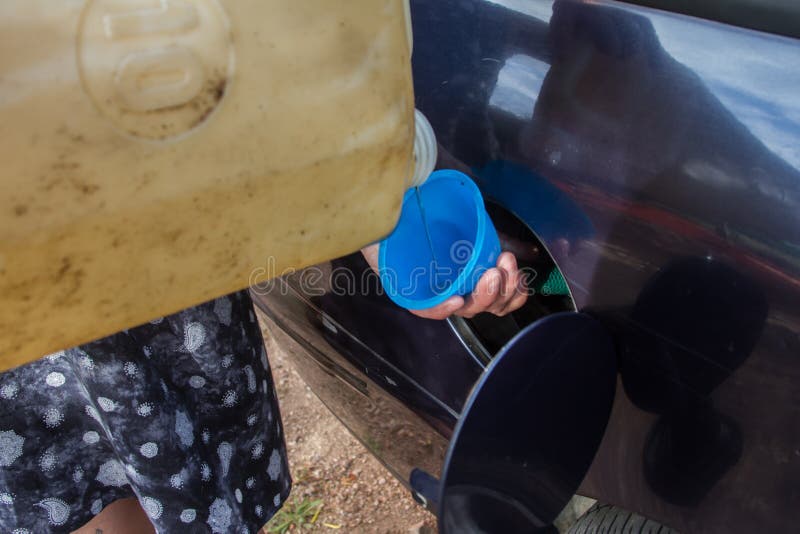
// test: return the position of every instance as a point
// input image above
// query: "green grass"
(295, 516)
(373, 445)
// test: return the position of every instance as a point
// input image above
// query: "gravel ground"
(357, 494)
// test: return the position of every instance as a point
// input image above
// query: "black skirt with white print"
(180, 413)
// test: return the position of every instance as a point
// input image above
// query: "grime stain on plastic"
(130, 191)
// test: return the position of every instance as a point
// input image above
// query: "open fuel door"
(530, 428)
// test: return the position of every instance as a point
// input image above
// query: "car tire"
(608, 519)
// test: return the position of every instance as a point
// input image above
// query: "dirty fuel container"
(160, 153)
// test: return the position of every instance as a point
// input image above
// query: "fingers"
(484, 295)
(516, 302)
(441, 311)
(499, 291)
(508, 262)
(514, 292)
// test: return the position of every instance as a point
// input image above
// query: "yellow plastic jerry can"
(155, 154)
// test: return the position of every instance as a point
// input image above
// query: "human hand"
(500, 290)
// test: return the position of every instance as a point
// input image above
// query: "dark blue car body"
(657, 157)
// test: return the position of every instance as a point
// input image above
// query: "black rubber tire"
(608, 519)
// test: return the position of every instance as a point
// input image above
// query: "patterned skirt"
(180, 413)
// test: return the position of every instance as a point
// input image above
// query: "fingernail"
(494, 282)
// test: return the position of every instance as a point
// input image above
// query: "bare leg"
(124, 516)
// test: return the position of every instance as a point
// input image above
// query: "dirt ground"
(339, 486)
(356, 493)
